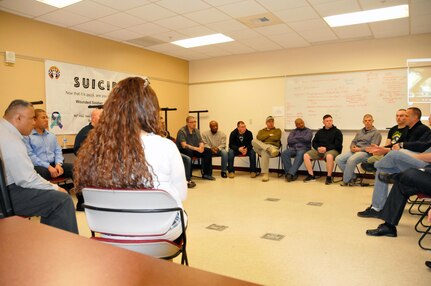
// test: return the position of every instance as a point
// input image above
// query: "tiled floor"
(313, 236)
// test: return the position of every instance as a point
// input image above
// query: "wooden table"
(36, 254)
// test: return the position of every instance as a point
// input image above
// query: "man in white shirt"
(31, 195)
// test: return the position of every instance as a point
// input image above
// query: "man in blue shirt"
(44, 150)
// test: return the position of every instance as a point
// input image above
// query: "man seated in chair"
(405, 184)
(30, 194)
(240, 144)
(83, 133)
(44, 150)
(327, 144)
(190, 143)
(216, 141)
(298, 142)
(267, 145)
(357, 154)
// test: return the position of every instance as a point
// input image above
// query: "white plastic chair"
(148, 221)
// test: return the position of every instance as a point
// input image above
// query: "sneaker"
(191, 184)
(369, 167)
(328, 180)
(223, 175)
(253, 175)
(265, 178)
(288, 177)
(370, 212)
(310, 178)
(273, 152)
(231, 175)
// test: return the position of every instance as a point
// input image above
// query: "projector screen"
(419, 88)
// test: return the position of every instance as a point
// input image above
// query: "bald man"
(83, 133)
(216, 141)
(30, 194)
(298, 142)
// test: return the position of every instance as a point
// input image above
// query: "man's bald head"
(95, 116)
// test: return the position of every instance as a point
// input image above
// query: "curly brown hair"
(113, 156)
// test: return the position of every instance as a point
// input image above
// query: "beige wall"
(247, 87)
(34, 41)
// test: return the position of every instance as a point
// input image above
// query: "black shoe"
(369, 167)
(328, 180)
(383, 230)
(309, 178)
(288, 177)
(79, 207)
(208, 177)
(370, 212)
(294, 177)
(388, 178)
(80, 197)
(348, 184)
(223, 175)
(428, 263)
(191, 184)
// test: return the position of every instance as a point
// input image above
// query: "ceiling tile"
(212, 51)
(95, 27)
(176, 22)
(319, 35)
(242, 34)
(226, 26)
(354, 31)
(169, 36)
(243, 9)
(297, 14)
(390, 28)
(90, 9)
(122, 20)
(318, 2)
(181, 7)
(261, 44)
(375, 4)
(123, 4)
(63, 18)
(314, 24)
(196, 31)
(420, 7)
(421, 24)
(274, 29)
(27, 7)
(150, 12)
(15, 12)
(121, 35)
(236, 48)
(277, 5)
(217, 3)
(338, 7)
(207, 16)
(148, 29)
(167, 47)
(289, 40)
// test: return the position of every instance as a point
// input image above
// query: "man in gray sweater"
(357, 154)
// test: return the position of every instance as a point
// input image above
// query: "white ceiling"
(159, 22)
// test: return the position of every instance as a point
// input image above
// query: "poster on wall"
(70, 89)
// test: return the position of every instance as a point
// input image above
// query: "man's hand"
(53, 171)
(321, 150)
(59, 169)
(396, 146)
(60, 189)
(200, 149)
(355, 149)
(242, 150)
(215, 150)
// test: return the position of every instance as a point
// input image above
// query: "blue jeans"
(393, 162)
(231, 157)
(348, 161)
(224, 156)
(286, 156)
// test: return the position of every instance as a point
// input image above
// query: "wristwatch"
(401, 145)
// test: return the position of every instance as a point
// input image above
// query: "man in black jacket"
(240, 145)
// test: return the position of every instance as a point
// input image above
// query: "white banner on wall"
(70, 89)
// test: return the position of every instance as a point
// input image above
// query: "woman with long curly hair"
(124, 151)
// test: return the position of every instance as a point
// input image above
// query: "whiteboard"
(347, 97)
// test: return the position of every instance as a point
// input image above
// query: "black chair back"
(5, 202)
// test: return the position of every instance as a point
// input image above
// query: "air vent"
(261, 20)
(146, 41)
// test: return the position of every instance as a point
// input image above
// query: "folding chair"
(421, 227)
(416, 207)
(147, 221)
(5, 202)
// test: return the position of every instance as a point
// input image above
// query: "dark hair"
(401, 109)
(15, 104)
(416, 111)
(37, 111)
(240, 122)
(113, 155)
(326, 116)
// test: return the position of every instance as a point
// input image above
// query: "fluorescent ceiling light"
(368, 16)
(203, 41)
(59, 3)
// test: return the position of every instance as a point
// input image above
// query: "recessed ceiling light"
(368, 16)
(59, 3)
(203, 41)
